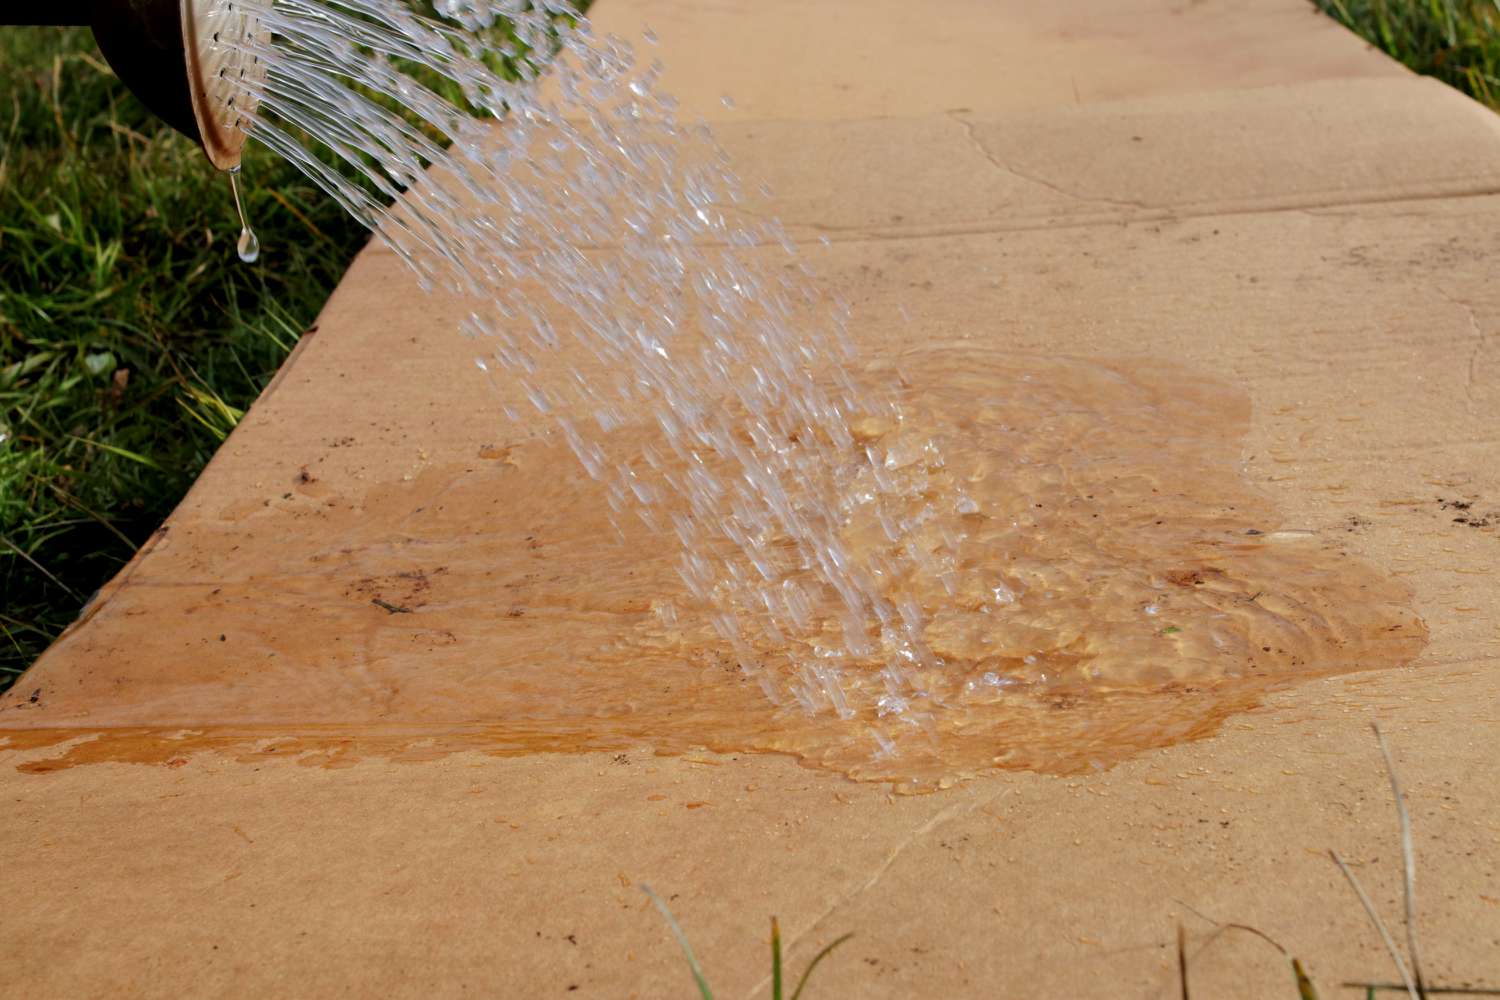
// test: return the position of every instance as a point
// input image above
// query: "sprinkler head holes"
(224, 74)
(193, 63)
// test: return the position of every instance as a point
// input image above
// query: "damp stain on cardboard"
(1110, 582)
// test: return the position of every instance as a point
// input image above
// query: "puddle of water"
(1100, 578)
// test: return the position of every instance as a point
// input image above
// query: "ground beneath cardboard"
(1238, 189)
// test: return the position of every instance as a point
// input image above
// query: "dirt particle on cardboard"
(1464, 512)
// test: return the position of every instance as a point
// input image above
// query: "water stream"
(590, 227)
(955, 562)
(248, 244)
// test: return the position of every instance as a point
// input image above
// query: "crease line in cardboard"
(1189, 212)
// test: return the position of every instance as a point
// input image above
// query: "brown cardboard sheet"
(1297, 216)
(838, 59)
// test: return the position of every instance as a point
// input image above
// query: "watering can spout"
(189, 61)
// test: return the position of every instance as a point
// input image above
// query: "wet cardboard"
(1341, 272)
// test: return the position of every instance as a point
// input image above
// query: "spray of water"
(596, 232)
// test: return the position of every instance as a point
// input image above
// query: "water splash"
(1093, 492)
(599, 232)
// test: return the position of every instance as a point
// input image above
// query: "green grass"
(1457, 41)
(131, 336)
(778, 987)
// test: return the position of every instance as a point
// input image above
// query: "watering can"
(182, 58)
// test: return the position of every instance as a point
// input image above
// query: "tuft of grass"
(1456, 41)
(1306, 989)
(1412, 982)
(777, 987)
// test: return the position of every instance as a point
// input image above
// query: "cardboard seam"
(850, 235)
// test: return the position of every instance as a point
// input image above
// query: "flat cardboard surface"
(841, 59)
(1297, 216)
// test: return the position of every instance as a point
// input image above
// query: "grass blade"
(124, 453)
(775, 960)
(1385, 935)
(802, 983)
(1408, 865)
(39, 567)
(1182, 960)
(1305, 988)
(682, 942)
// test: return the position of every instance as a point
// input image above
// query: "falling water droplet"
(249, 244)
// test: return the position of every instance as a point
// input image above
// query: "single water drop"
(249, 244)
